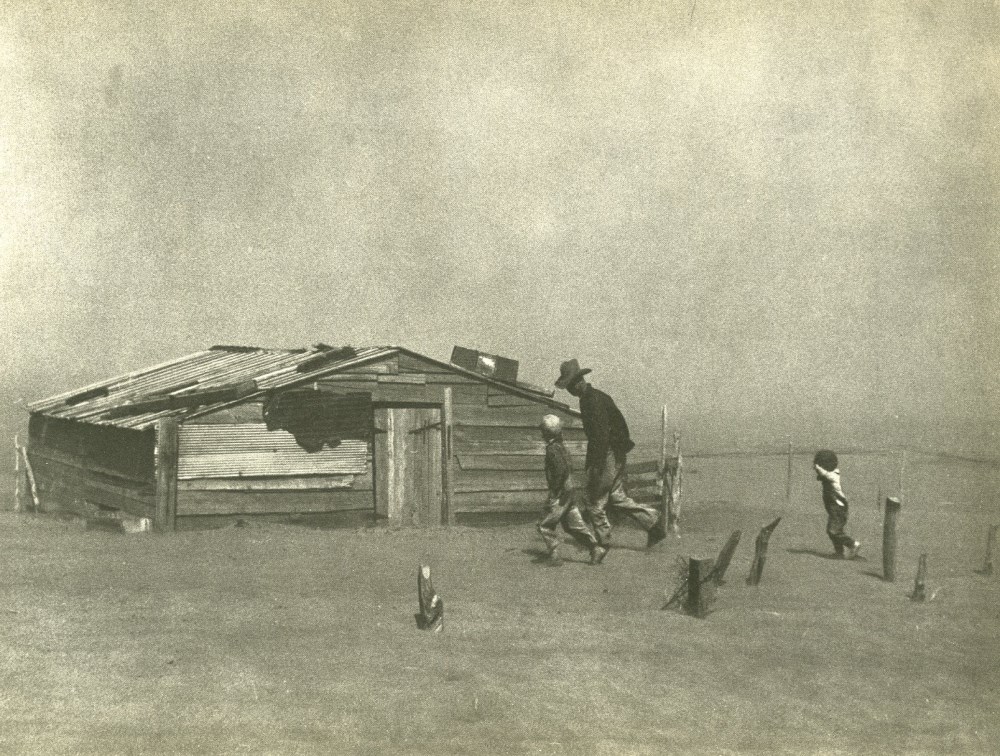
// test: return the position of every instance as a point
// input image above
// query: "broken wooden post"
(701, 587)
(166, 474)
(991, 537)
(760, 552)
(431, 614)
(892, 507)
(919, 588)
(666, 480)
(677, 480)
(725, 557)
(32, 485)
(788, 476)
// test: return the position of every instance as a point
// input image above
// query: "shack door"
(408, 465)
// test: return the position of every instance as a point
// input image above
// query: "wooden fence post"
(677, 483)
(892, 507)
(166, 474)
(431, 614)
(715, 575)
(725, 557)
(448, 470)
(991, 537)
(32, 484)
(919, 584)
(760, 552)
(18, 485)
(701, 587)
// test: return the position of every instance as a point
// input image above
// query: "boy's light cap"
(552, 424)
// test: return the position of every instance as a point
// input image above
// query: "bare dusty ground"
(283, 639)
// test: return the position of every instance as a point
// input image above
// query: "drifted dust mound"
(283, 639)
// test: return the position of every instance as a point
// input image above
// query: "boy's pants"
(605, 487)
(564, 510)
(835, 524)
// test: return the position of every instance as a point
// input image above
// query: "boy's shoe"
(554, 560)
(855, 550)
(597, 554)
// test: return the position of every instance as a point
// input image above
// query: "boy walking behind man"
(835, 503)
(562, 504)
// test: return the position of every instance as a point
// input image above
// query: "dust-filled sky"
(778, 216)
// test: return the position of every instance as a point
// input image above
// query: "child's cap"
(826, 459)
(551, 424)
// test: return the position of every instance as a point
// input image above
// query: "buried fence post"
(991, 537)
(892, 507)
(701, 587)
(919, 584)
(760, 552)
(725, 557)
(431, 614)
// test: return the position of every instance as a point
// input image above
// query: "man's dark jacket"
(605, 427)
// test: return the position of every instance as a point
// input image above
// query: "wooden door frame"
(444, 408)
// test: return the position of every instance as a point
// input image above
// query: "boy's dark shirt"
(605, 427)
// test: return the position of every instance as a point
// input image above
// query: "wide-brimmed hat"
(569, 373)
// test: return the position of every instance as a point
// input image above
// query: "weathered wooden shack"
(345, 435)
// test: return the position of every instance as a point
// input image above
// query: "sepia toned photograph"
(517, 377)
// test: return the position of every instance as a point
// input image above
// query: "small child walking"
(835, 502)
(563, 502)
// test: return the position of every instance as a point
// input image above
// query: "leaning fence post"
(725, 557)
(760, 552)
(701, 588)
(32, 485)
(17, 475)
(892, 507)
(919, 583)
(991, 537)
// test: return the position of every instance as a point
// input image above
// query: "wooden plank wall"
(498, 463)
(81, 467)
(213, 500)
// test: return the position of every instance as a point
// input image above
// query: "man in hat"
(608, 443)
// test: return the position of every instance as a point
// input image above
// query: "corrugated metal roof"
(269, 369)
(257, 368)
